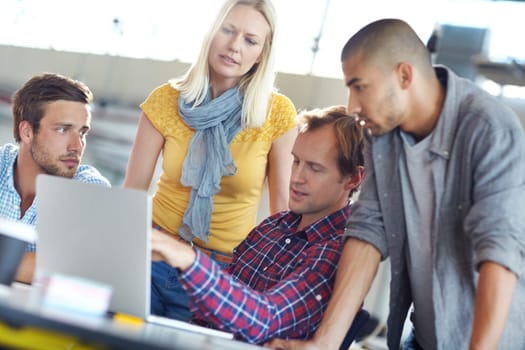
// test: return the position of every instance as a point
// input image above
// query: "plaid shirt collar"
(318, 231)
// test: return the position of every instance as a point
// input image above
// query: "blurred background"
(123, 49)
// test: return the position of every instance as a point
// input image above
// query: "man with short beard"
(51, 119)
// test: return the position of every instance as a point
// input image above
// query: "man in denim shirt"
(443, 198)
(51, 119)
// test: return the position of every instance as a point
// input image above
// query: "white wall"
(128, 81)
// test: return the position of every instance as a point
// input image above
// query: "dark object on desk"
(14, 237)
(359, 321)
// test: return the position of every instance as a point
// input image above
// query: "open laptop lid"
(101, 234)
(98, 233)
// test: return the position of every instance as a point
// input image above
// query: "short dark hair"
(29, 102)
(387, 42)
(349, 135)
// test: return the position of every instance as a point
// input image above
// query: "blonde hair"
(256, 86)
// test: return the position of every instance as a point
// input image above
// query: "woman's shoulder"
(280, 119)
(163, 91)
(282, 114)
(281, 104)
(162, 109)
(162, 98)
(282, 110)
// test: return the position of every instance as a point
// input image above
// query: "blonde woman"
(223, 130)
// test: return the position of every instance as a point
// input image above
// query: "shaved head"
(388, 42)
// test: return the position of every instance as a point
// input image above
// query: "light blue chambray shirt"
(478, 160)
(10, 199)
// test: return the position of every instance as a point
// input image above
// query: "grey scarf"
(216, 122)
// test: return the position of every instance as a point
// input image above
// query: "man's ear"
(355, 180)
(405, 74)
(26, 131)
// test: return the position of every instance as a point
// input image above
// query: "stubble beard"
(48, 164)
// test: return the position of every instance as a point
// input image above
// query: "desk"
(19, 310)
(503, 73)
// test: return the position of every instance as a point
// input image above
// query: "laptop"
(101, 234)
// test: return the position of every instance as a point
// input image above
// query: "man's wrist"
(186, 256)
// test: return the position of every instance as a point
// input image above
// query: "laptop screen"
(97, 233)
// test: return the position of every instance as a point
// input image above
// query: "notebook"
(100, 234)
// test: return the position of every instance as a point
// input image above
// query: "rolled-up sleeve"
(366, 221)
(496, 220)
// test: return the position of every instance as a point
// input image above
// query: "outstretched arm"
(171, 250)
(356, 272)
(144, 155)
(493, 298)
(290, 307)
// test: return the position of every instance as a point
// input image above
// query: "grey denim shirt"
(478, 158)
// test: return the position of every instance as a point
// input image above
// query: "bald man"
(443, 198)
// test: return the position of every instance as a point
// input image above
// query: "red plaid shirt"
(278, 284)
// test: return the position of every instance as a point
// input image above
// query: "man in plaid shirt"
(282, 274)
(51, 119)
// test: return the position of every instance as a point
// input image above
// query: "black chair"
(360, 319)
